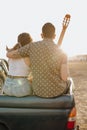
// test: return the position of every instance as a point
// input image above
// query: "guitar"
(65, 24)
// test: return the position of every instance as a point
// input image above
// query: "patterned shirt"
(46, 59)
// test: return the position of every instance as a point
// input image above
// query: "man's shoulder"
(61, 51)
(36, 42)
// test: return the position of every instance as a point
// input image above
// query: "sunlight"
(10, 27)
(68, 51)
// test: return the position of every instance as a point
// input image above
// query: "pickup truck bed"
(35, 113)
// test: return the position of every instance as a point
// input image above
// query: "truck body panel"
(35, 113)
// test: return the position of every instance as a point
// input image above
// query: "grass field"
(78, 71)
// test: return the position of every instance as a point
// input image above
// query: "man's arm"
(64, 69)
(21, 52)
(13, 54)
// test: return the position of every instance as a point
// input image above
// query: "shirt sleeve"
(65, 59)
(24, 51)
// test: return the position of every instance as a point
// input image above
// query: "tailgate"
(35, 113)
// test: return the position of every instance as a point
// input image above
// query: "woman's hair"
(48, 30)
(23, 39)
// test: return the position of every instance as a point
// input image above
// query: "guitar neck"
(66, 21)
(59, 43)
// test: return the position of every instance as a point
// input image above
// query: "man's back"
(46, 60)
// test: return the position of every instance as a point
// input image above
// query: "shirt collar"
(48, 40)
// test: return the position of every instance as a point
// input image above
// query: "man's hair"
(48, 30)
(24, 38)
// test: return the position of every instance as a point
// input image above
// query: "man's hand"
(7, 49)
(13, 54)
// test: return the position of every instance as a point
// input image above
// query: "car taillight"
(71, 124)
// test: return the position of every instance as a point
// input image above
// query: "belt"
(14, 77)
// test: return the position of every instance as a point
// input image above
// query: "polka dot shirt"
(46, 60)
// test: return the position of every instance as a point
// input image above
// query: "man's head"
(48, 31)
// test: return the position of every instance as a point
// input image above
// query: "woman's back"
(18, 67)
(17, 83)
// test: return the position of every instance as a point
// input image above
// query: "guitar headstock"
(66, 21)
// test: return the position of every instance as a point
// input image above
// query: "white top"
(17, 67)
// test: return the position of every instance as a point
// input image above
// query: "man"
(48, 64)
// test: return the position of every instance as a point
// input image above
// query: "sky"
(17, 16)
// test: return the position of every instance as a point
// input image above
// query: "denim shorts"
(17, 87)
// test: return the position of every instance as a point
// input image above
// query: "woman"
(17, 83)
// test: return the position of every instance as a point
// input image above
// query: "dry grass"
(78, 71)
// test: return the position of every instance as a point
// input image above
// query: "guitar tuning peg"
(67, 16)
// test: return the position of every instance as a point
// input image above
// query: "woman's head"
(24, 39)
